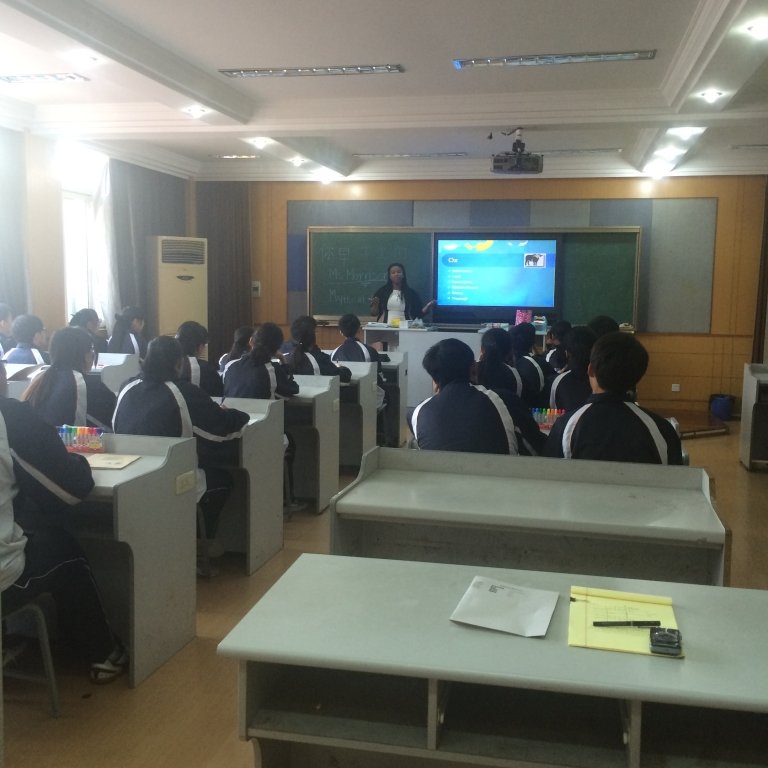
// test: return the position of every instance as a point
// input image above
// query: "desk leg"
(632, 721)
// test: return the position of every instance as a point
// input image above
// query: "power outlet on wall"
(675, 387)
(256, 289)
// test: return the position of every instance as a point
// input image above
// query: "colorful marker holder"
(546, 417)
(82, 439)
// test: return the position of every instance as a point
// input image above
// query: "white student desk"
(396, 374)
(753, 438)
(357, 417)
(312, 418)
(345, 657)
(143, 553)
(606, 518)
(116, 368)
(252, 520)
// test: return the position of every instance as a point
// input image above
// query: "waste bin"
(721, 406)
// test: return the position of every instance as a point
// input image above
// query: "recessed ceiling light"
(58, 77)
(658, 168)
(260, 141)
(196, 111)
(711, 95)
(355, 69)
(759, 29)
(298, 161)
(544, 59)
(685, 132)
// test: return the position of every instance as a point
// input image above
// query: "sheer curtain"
(13, 267)
(103, 289)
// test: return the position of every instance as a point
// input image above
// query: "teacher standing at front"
(395, 300)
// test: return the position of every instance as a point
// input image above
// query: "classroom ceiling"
(143, 62)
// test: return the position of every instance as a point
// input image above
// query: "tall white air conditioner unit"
(181, 279)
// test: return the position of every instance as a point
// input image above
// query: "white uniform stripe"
(313, 362)
(186, 419)
(272, 379)
(194, 370)
(506, 419)
(81, 406)
(555, 384)
(538, 370)
(125, 389)
(415, 418)
(518, 379)
(652, 427)
(569, 430)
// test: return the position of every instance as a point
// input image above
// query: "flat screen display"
(485, 275)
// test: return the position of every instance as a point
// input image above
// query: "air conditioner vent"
(183, 250)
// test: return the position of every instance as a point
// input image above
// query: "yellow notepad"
(589, 605)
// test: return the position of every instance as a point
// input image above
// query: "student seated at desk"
(88, 319)
(262, 374)
(193, 338)
(307, 358)
(493, 370)
(571, 388)
(611, 427)
(555, 351)
(30, 335)
(534, 370)
(36, 471)
(352, 350)
(128, 333)
(65, 393)
(240, 345)
(159, 403)
(461, 416)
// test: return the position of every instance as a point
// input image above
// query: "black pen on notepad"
(626, 623)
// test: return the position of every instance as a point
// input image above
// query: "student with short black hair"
(193, 337)
(65, 393)
(602, 324)
(352, 350)
(31, 338)
(240, 345)
(555, 354)
(610, 426)
(461, 416)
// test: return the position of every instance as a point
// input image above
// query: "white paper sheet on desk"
(506, 607)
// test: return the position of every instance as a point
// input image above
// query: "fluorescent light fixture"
(298, 161)
(658, 168)
(711, 95)
(685, 132)
(234, 157)
(759, 28)
(58, 77)
(670, 152)
(196, 111)
(326, 175)
(546, 59)
(410, 155)
(355, 69)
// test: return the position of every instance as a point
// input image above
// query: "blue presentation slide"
(496, 273)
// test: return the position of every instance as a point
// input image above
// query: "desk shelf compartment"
(509, 726)
(681, 737)
(327, 706)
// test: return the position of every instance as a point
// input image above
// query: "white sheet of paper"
(506, 607)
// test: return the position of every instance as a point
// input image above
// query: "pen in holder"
(82, 439)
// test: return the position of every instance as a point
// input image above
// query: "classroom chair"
(33, 609)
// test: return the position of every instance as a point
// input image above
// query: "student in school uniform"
(193, 338)
(7, 342)
(355, 351)
(31, 339)
(555, 354)
(460, 416)
(602, 324)
(571, 388)
(307, 358)
(66, 393)
(88, 319)
(128, 333)
(159, 402)
(38, 474)
(534, 371)
(261, 373)
(493, 368)
(610, 426)
(240, 345)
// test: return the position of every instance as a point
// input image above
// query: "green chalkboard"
(599, 269)
(346, 266)
(600, 275)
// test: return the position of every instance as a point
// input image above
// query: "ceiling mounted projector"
(518, 160)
